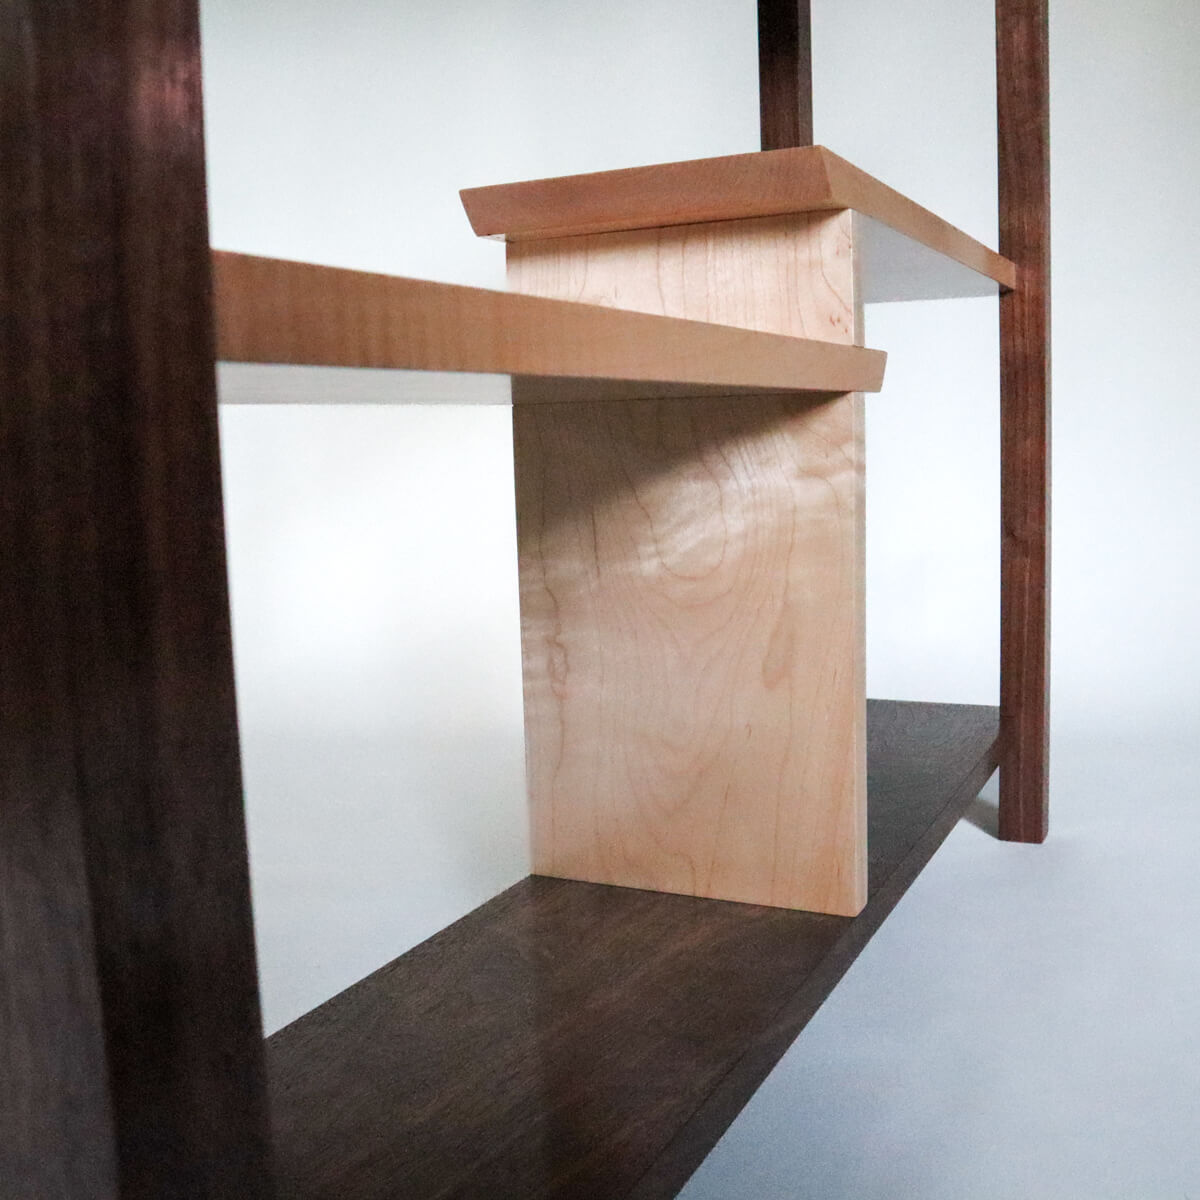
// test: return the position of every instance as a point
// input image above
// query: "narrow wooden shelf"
(908, 252)
(575, 1040)
(269, 311)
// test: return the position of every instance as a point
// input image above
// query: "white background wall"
(1021, 1026)
(373, 551)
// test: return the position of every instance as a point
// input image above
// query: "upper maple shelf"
(269, 311)
(907, 252)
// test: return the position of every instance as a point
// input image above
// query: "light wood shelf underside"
(909, 252)
(270, 311)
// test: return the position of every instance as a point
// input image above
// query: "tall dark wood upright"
(785, 97)
(1023, 123)
(130, 1036)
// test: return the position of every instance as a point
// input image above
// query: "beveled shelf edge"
(281, 312)
(736, 186)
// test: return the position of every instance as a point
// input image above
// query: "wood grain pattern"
(789, 274)
(130, 1043)
(785, 85)
(692, 590)
(1023, 123)
(768, 183)
(575, 1041)
(271, 311)
(732, 258)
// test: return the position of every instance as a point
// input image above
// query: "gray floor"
(1023, 1026)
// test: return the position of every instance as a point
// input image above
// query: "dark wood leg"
(130, 1033)
(1022, 72)
(785, 73)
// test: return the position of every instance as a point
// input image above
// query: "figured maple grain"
(783, 274)
(692, 588)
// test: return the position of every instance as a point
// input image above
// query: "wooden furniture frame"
(130, 1047)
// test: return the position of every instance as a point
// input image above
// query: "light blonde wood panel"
(692, 590)
(271, 311)
(768, 183)
(773, 274)
(891, 266)
(692, 646)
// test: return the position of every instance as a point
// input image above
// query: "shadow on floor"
(984, 813)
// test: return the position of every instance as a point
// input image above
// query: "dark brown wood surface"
(574, 1040)
(785, 92)
(129, 1021)
(1023, 124)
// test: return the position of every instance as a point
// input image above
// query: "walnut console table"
(685, 348)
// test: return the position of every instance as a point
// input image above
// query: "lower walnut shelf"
(573, 1040)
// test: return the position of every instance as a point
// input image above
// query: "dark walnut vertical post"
(785, 99)
(1023, 122)
(130, 1036)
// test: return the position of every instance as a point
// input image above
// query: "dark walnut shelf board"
(574, 1040)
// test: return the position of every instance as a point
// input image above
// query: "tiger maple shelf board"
(271, 312)
(572, 1039)
(908, 252)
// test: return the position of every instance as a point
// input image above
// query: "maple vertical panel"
(692, 586)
